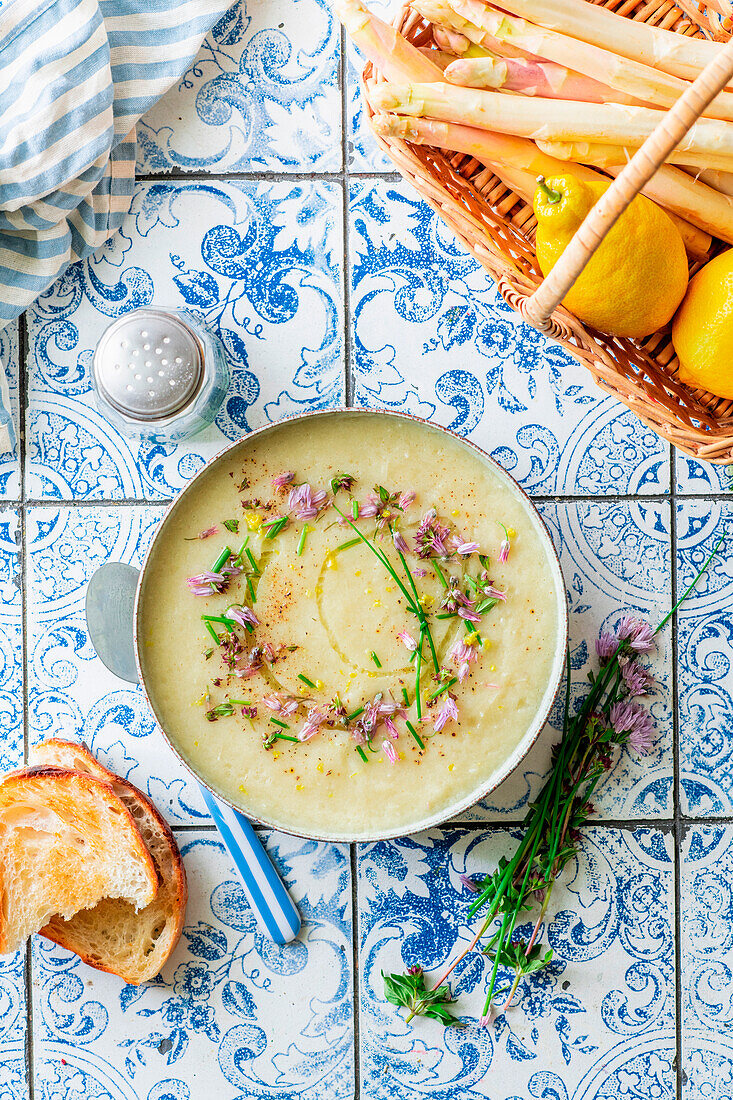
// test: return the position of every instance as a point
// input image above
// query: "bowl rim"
(512, 762)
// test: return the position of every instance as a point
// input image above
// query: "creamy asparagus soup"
(348, 624)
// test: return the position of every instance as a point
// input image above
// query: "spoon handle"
(268, 898)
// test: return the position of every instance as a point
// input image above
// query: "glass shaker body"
(159, 375)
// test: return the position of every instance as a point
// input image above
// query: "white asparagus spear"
(637, 82)
(662, 49)
(393, 55)
(518, 163)
(545, 119)
(519, 74)
(603, 155)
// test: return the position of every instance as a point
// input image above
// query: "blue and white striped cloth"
(75, 76)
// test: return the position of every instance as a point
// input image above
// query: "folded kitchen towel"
(75, 76)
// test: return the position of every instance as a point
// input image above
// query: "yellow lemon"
(702, 332)
(636, 279)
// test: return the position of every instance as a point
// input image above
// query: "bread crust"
(59, 790)
(173, 891)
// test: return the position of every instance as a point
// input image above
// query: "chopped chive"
(285, 737)
(305, 680)
(354, 714)
(355, 509)
(251, 588)
(252, 562)
(208, 652)
(418, 668)
(446, 615)
(228, 623)
(276, 527)
(415, 734)
(241, 702)
(362, 754)
(413, 656)
(222, 559)
(369, 746)
(212, 632)
(345, 546)
(405, 696)
(444, 687)
(303, 537)
(282, 725)
(376, 660)
(439, 572)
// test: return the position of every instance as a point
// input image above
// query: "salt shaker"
(159, 374)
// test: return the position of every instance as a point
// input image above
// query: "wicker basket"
(498, 229)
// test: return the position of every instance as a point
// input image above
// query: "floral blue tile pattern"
(264, 206)
(259, 262)
(262, 94)
(231, 1015)
(432, 336)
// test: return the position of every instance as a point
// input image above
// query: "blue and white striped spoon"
(109, 608)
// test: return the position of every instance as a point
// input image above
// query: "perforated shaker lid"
(148, 364)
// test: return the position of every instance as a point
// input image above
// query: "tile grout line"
(269, 176)
(676, 792)
(356, 971)
(348, 400)
(22, 407)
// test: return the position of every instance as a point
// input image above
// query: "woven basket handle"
(537, 309)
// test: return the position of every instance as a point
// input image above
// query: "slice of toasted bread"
(113, 936)
(66, 841)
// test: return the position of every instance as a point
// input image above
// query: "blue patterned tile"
(231, 1015)
(260, 262)
(11, 643)
(598, 1022)
(702, 477)
(262, 94)
(10, 363)
(706, 890)
(705, 662)
(70, 692)
(432, 336)
(615, 561)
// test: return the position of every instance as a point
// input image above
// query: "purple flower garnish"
(638, 680)
(305, 502)
(407, 640)
(342, 482)
(391, 728)
(462, 655)
(375, 712)
(204, 584)
(249, 711)
(505, 546)
(492, 593)
(448, 711)
(400, 543)
(284, 479)
(314, 720)
(284, 705)
(208, 532)
(371, 506)
(430, 537)
(390, 752)
(631, 719)
(245, 616)
(406, 499)
(637, 633)
(606, 646)
(471, 884)
(463, 547)
(469, 614)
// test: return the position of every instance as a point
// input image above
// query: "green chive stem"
(252, 562)
(439, 572)
(405, 696)
(251, 588)
(303, 537)
(222, 559)
(212, 632)
(355, 509)
(415, 734)
(376, 660)
(346, 546)
(444, 687)
(282, 725)
(362, 754)
(240, 702)
(305, 680)
(354, 714)
(276, 527)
